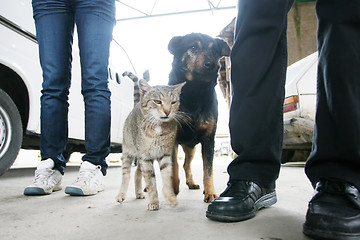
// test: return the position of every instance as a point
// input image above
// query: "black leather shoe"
(334, 212)
(240, 201)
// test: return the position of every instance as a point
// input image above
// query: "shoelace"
(42, 175)
(85, 176)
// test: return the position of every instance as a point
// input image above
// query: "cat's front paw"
(120, 197)
(153, 206)
(173, 202)
(171, 199)
(140, 195)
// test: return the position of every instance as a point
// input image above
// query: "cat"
(149, 135)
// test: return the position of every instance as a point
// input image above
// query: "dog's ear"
(223, 46)
(174, 43)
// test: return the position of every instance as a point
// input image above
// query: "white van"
(299, 109)
(20, 86)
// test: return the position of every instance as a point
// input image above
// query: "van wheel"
(11, 132)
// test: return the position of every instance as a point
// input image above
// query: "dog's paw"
(193, 185)
(153, 206)
(209, 197)
(140, 195)
(120, 197)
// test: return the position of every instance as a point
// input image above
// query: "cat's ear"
(179, 86)
(144, 87)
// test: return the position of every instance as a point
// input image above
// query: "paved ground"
(59, 216)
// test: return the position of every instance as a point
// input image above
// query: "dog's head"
(197, 55)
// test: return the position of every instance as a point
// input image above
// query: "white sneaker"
(88, 182)
(46, 179)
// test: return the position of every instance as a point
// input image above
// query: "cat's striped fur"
(149, 135)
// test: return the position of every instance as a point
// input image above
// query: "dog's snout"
(209, 65)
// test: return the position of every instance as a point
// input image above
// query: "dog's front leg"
(189, 156)
(208, 157)
(175, 179)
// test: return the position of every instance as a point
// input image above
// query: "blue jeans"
(55, 20)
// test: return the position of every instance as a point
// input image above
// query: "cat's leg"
(147, 168)
(166, 173)
(126, 171)
(175, 180)
(138, 183)
(189, 156)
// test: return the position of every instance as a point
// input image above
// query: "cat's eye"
(173, 102)
(157, 101)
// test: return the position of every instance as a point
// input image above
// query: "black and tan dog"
(196, 61)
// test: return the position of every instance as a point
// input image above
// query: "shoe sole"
(328, 235)
(75, 191)
(263, 202)
(37, 191)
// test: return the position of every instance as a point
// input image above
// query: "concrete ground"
(59, 216)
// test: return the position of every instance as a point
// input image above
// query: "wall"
(302, 28)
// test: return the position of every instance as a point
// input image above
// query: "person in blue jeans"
(259, 61)
(55, 21)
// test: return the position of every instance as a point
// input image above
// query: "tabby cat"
(149, 135)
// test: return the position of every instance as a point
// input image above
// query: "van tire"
(11, 132)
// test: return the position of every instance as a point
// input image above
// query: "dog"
(196, 61)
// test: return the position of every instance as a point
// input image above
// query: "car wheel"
(11, 132)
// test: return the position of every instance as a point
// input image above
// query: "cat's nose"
(167, 113)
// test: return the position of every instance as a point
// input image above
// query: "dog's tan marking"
(189, 76)
(189, 156)
(209, 190)
(208, 126)
(200, 60)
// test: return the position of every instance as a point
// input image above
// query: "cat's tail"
(135, 79)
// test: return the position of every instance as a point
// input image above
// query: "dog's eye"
(157, 101)
(193, 47)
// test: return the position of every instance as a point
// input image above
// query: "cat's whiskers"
(182, 117)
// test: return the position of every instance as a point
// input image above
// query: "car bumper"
(298, 133)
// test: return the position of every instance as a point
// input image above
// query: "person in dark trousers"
(259, 61)
(55, 21)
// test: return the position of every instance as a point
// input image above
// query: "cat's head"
(160, 103)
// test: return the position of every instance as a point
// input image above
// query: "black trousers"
(259, 60)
